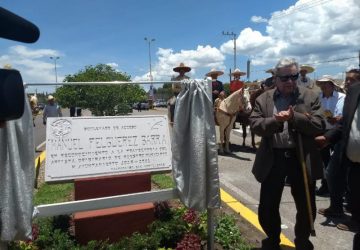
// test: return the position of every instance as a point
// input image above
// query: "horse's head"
(34, 104)
(245, 99)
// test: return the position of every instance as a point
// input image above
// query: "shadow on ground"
(240, 148)
(235, 148)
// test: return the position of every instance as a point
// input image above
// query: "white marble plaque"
(80, 147)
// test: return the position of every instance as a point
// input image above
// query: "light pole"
(149, 41)
(55, 58)
(234, 38)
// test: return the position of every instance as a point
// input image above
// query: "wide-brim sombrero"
(182, 67)
(214, 72)
(327, 78)
(307, 68)
(238, 72)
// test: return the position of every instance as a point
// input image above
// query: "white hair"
(284, 63)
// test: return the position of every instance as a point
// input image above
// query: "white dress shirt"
(334, 104)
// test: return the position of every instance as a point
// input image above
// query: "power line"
(302, 7)
(334, 60)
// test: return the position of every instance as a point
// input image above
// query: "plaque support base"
(112, 223)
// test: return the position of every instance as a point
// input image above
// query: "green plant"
(227, 234)
(168, 232)
(189, 241)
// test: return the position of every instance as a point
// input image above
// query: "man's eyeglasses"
(291, 77)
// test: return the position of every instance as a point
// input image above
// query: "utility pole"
(55, 58)
(234, 38)
(248, 69)
(359, 59)
(149, 41)
(151, 91)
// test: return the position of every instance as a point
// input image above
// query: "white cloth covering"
(17, 153)
(195, 163)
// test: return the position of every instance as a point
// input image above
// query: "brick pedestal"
(112, 223)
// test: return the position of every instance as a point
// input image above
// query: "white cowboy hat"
(214, 72)
(307, 68)
(327, 78)
(238, 72)
(182, 67)
(50, 97)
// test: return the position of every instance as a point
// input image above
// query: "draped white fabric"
(16, 177)
(195, 162)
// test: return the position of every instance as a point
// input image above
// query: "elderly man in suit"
(286, 117)
(348, 133)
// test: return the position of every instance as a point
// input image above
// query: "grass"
(53, 193)
(163, 180)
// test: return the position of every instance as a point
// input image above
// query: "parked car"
(144, 106)
(160, 103)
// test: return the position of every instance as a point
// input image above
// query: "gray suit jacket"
(263, 123)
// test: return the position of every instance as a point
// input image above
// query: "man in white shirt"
(332, 103)
(348, 134)
(52, 109)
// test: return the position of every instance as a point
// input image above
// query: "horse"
(34, 107)
(226, 113)
(256, 90)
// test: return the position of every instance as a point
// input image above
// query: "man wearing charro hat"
(176, 88)
(52, 109)
(217, 86)
(304, 80)
(181, 69)
(236, 84)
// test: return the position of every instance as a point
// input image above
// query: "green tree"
(165, 92)
(101, 100)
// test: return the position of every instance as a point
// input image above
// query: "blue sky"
(90, 32)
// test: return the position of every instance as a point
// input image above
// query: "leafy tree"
(165, 92)
(101, 100)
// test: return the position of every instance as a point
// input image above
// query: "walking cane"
(307, 192)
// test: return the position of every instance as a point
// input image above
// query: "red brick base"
(112, 223)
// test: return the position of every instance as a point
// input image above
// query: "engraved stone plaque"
(82, 147)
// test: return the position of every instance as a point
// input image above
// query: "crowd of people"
(306, 126)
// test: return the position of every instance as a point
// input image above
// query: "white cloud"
(309, 32)
(33, 64)
(200, 59)
(24, 52)
(249, 42)
(258, 19)
(113, 65)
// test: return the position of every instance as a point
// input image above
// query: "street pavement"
(236, 179)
